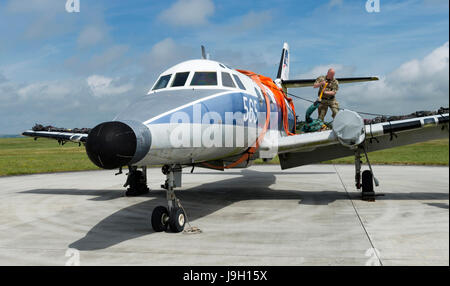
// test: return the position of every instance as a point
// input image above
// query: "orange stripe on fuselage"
(280, 97)
(252, 149)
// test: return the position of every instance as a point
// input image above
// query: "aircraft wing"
(292, 83)
(316, 147)
(62, 137)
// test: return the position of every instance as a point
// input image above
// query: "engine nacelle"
(349, 128)
(115, 144)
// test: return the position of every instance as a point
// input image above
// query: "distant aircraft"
(202, 113)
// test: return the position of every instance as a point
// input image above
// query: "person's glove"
(317, 102)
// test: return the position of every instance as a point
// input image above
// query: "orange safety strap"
(280, 97)
(251, 150)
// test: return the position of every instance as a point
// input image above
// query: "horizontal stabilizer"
(292, 83)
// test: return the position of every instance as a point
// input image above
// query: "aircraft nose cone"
(111, 145)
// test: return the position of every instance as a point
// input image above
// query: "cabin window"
(227, 80)
(204, 78)
(180, 78)
(239, 82)
(162, 82)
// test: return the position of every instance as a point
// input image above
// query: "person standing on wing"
(330, 86)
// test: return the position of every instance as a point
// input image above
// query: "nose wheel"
(162, 219)
(177, 220)
(173, 216)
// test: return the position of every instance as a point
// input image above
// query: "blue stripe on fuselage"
(220, 105)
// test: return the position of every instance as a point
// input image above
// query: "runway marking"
(359, 217)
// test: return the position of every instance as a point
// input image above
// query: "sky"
(82, 68)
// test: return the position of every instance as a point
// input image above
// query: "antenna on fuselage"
(204, 53)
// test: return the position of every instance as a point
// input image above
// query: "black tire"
(159, 219)
(367, 181)
(177, 220)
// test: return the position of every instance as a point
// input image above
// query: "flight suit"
(328, 101)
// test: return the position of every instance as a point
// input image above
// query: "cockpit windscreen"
(204, 78)
(162, 82)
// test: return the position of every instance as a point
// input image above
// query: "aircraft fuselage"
(216, 114)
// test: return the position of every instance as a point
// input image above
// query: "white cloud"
(243, 24)
(112, 54)
(8, 93)
(341, 71)
(43, 91)
(109, 60)
(188, 13)
(38, 18)
(419, 84)
(38, 6)
(2, 78)
(334, 3)
(91, 36)
(166, 53)
(163, 51)
(67, 103)
(253, 20)
(101, 85)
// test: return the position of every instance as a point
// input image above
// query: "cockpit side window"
(162, 82)
(239, 82)
(180, 79)
(227, 80)
(204, 78)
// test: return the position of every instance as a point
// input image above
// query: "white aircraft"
(203, 113)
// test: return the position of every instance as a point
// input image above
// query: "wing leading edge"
(62, 137)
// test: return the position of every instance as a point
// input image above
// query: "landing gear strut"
(364, 182)
(173, 216)
(137, 182)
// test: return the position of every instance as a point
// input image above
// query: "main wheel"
(367, 181)
(177, 220)
(160, 217)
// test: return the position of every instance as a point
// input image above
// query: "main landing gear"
(173, 216)
(137, 182)
(366, 181)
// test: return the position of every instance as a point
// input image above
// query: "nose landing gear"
(173, 216)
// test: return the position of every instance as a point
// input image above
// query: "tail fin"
(283, 69)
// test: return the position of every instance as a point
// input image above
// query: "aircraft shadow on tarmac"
(439, 205)
(134, 221)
